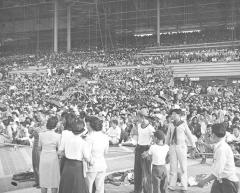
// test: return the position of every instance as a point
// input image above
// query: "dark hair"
(70, 119)
(78, 126)
(219, 130)
(52, 123)
(115, 121)
(94, 122)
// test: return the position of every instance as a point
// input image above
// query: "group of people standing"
(73, 161)
(173, 149)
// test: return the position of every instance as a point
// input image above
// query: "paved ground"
(193, 169)
(118, 159)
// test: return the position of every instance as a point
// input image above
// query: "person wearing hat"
(142, 167)
(223, 170)
(159, 153)
(177, 135)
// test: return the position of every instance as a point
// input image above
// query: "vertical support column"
(158, 22)
(69, 28)
(55, 46)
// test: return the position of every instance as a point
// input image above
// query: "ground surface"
(119, 158)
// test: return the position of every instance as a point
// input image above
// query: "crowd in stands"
(115, 96)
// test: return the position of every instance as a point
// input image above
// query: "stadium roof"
(32, 19)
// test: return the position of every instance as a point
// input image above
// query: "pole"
(55, 46)
(69, 28)
(158, 22)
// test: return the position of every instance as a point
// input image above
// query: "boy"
(223, 170)
(159, 152)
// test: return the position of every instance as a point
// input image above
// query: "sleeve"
(62, 142)
(150, 151)
(86, 151)
(189, 136)
(219, 163)
(40, 142)
(107, 145)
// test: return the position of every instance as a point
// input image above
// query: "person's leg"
(43, 190)
(90, 178)
(99, 181)
(146, 175)
(137, 171)
(54, 190)
(182, 157)
(173, 168)
(35, 164)
(164, 180)
(156, 180)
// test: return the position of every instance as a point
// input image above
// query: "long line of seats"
(206, 69)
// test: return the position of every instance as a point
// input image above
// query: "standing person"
(34, 133)
(223, 170)
(49, 171)
(159, 153)
(142, 167)
(99, 144)
(75, 150)
(177, 135)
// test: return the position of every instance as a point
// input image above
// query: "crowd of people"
(51, 110)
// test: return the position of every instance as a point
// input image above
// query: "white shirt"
(159, 154)
(99, 144)
(145, 135)
(224, 166)
(74, 146)
(116, 133)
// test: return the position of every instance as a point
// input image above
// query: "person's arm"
(189, 136)
(40, 143)
(107, 146)
(168, 135)
(206, 180)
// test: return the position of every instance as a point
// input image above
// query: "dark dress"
(72, 179)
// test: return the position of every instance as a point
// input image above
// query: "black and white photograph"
(119, 96)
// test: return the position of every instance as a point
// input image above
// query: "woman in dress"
(49, 171)
(99, 144)
(75, 150)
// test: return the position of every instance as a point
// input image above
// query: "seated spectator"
(114, 133)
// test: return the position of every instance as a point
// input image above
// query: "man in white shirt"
(177, 136)
(114, 133)
(142, 167)
(223, 170)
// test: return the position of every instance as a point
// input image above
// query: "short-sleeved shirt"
(159, 154)
(145, 135)
(224, 166)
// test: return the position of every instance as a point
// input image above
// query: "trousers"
(226, 186)
(178, 154)
(97, 178)
(142, 171)
(35, 163)
(159, 179)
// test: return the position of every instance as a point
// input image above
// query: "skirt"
(72, 179)
(49, 170)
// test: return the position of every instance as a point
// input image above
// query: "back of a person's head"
(52, 123)
(78, 126)
(219, 130)
(70, 121)
(94, 122)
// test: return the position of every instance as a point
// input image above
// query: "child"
(159, 153)
(223, 170)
